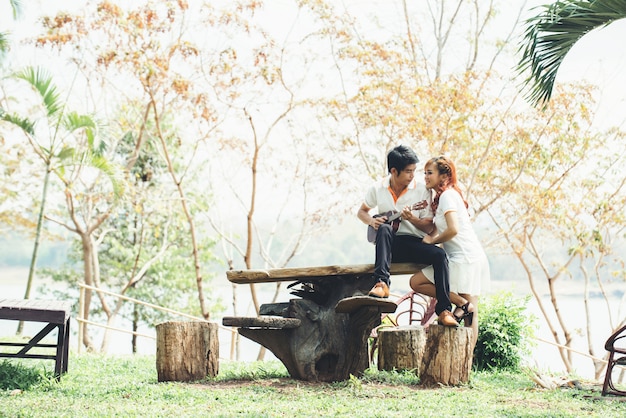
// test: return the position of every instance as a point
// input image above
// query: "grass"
(105, 386)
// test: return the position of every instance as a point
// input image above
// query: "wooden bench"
(55, 314)
(312, 339)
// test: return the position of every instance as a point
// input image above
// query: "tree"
(56, 150)
(551, 34)
(134, 54)
(242, 104)
(520, 167)
(548, 38)
(16, 8)
(10, 160)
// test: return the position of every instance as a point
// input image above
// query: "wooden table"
(55, 314)
(313, 341)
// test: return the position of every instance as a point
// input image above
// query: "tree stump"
(447, 357)
(401, 348)
(187, 351)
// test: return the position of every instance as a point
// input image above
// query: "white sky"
(600, 58)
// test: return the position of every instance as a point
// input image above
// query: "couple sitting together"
(433, 212)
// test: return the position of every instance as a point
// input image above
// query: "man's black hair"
(400, 157)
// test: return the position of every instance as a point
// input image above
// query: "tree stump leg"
(279, 342)
(360, 327)
(401, 348)
(187, 351)
(448, 356)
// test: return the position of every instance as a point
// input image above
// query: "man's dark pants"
(410, 249)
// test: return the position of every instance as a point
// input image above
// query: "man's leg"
(384, 243)
(412, 249)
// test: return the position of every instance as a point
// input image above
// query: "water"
(544, 356)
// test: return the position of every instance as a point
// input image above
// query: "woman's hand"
(427, 239)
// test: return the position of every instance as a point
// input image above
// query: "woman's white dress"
(469, 267)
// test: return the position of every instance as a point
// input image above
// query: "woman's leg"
(420, 284)
(473, 300)
(412, 249)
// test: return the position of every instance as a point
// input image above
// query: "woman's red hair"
(444, 165)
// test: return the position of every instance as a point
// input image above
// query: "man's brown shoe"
(447, 319)
(380, 290)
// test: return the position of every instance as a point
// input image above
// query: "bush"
(504, 333)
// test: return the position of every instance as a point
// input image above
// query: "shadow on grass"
(16, 376)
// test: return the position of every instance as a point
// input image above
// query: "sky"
(600, 58)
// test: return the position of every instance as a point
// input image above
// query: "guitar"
(394, 218)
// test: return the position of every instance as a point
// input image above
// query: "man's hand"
(407, 213)
(377, 221)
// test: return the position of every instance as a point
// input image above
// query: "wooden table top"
(300, 273)
(51, 311)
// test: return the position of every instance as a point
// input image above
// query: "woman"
(469, 268)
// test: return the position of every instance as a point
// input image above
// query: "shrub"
(504, 333)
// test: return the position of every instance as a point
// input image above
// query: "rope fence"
(570, 349)
(230, 330)
(81, 319)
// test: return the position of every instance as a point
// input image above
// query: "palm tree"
(53, 151)
(551, 34)
(16, 6)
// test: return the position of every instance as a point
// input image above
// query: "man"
(400, 192)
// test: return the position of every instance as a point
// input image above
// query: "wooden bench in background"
(312, 339)
(55, 314)
(616, 346)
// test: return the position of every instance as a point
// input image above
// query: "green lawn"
(105, 386)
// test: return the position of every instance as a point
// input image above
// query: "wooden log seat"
(55, 314)
(448, 356)
(267, 322)
(401, 348)
(187, 351)
(616, 365)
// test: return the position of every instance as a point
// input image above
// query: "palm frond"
(66, 153)
(74, 122)
(25, 124)
(112, 171)
(551, 34)
(16, 6)
(69, 156)
(4, 42)
(41, 81)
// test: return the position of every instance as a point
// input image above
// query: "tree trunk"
(401, 348)
(33, 259)
(448, 356)
(88, 278)
(187, 351)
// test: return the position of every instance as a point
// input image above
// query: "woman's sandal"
(467, 315)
